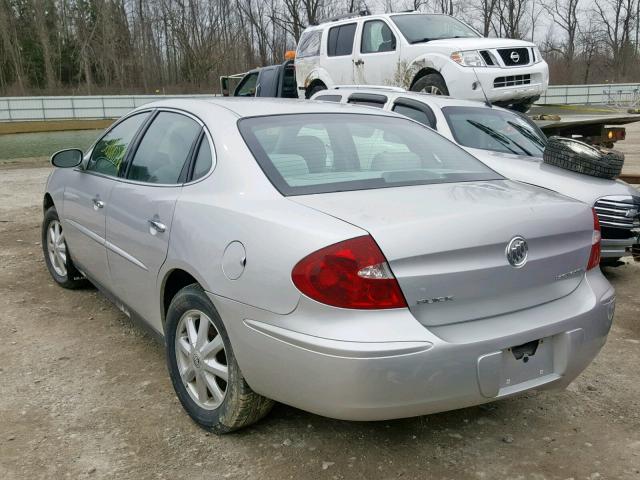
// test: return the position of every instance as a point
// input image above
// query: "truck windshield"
(325, 152)
(424, 27)
(497, 130)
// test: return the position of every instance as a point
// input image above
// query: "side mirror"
(67, 158)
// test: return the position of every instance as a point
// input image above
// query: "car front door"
(88, 195)
(377, 59)
(140, 212)
(339, 61)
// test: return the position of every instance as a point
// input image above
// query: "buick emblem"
(517, 251)
(515, 56)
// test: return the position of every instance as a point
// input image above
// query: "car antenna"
(486, 99)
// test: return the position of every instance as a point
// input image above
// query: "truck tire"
(583, 158)
(432, 83)
(315, 89)
(520, 107)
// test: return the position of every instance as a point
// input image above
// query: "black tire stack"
(583, 158)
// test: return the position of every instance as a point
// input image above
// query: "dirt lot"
(85, 394)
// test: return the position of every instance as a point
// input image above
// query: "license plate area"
(522, 364)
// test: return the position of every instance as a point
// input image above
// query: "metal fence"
(113, 106)
(14, 109)
(615, 94)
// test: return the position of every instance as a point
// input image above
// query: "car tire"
(583, 158)
(315, 89)
(520, 107)
(56, 253)
(432, 83)
(197, 368)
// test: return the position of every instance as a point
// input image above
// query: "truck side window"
(247, 87)
(340, 40)
(309, 45)
(377, 37)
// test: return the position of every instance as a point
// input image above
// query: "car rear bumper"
(419, 370)
(499, 84)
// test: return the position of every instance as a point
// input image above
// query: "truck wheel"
(432, 83)
(520, 107)
(315, 89)
(580, 157)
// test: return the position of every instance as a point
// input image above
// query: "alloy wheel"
(201, 359)
(57, 248)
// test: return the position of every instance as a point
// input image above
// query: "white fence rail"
(616, 94)
(15, 109)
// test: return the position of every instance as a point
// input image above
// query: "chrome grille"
(619, 212)
(514, 57)
(512, 81)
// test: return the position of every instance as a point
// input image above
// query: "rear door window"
(340, 40)
(164, 149)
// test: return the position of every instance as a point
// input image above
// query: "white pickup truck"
(432, 53)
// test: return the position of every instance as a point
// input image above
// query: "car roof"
(439, 101)
(256, 107)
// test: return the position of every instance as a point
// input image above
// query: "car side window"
(377, 37)
(164, 149)
(340, 40)
(203, 160)
(108, 154)
(415, 110)
(367, 99)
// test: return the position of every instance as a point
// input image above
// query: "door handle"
(157, 226)
(358, 62)
(97, 203)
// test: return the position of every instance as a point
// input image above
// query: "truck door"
(339, 62)
(377, 59)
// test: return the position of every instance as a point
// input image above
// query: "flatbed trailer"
(601, 129)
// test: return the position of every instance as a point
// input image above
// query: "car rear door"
(140, 213)
(339, 61)
(87, 196)
(377, 58)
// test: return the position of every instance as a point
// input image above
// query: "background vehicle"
(432, 53)
(512, 145)
(270, 81)
(291, 263)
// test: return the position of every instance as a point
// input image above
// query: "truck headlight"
(469, 58)
(537, 55)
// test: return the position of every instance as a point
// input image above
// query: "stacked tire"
(583, 158)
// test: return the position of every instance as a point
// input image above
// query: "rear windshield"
(322, 153)
(496, 130)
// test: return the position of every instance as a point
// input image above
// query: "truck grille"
(512, 81)
(514, 57)
(619, 212)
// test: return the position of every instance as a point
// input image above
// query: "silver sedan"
(345, 261)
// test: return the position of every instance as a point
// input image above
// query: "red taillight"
(594, 257)
(349, 274)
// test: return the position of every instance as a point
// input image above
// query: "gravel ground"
(85, 394)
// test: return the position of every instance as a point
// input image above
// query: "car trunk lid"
(446, 244)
